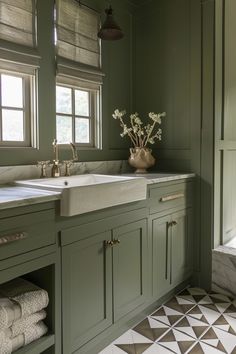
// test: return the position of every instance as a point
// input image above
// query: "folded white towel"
(29, 297)
(9, 311)
(33, 333)
(22, 325)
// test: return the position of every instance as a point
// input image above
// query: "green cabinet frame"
(171, 250)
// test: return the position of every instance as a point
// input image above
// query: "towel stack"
(22, 313)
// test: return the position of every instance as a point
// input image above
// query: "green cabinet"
(171, 250)
(129, 267)
(161, 240)
(181, 246)
(103, 276)
(86, 290)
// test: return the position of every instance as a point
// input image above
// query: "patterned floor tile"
(192, 322)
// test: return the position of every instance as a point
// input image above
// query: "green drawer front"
(170, 197)
(23, 233)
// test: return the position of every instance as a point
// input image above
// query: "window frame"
(94, 111)
(28, 89)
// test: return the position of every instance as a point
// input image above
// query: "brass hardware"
(174, 223)
(12, 238)
(56, 172)
(171, 197)
(116, 242)
(68, 164)
(74, 152)
(43, 165)
(108, 243)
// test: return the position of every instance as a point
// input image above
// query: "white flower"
(151, 141)
(155, 117)
(118, 114)
(139, 134)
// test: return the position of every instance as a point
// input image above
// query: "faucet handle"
(68, 164)
(43, 165)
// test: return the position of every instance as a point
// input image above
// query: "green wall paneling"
(225, 138)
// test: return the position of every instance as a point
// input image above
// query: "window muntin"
(76, 115)
(15, 109)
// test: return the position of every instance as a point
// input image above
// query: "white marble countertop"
(161, 177)
(14, 196)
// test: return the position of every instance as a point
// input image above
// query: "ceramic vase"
(141, 159)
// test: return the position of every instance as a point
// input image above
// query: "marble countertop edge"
(14, 196)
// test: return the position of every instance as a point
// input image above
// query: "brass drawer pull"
(12, 238)
(171, 197)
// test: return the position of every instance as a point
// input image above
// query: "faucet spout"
(56, 172)
(74, 152)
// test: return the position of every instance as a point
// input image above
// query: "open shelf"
(39, 346)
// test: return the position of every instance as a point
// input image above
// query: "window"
(15, 109)
(77, 115)
(19, 61)
(79, 76)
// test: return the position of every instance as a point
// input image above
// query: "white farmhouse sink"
(85, 193)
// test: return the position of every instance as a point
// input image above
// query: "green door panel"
(86, 290)
(129, 268)
(161, 245)
(181, 255)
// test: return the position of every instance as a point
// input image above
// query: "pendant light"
(110, 30)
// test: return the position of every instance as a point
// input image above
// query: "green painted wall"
(174, 71)
(117, 88)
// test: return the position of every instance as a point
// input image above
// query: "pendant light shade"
(110, 30)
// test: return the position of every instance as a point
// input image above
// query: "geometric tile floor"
(193, 322)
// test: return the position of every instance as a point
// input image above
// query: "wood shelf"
(38, 346)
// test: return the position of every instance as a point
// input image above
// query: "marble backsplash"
(9, 174)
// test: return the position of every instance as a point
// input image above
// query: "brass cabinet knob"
(108, 243)
(174, 223)
(116, 242)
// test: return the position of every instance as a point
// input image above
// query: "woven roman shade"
(17, 22)
(78, 47)
(18, 38)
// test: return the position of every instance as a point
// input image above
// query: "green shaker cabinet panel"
(86, 290)
(161, 242)
(129, 267)
(181, 246)
(171, 250)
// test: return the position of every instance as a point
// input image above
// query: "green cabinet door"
(129, 267)
(161, 261)
(86, 290)
(181, 246)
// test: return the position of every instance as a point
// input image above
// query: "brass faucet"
(56, 172)
(74, 152)
(69, 163)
